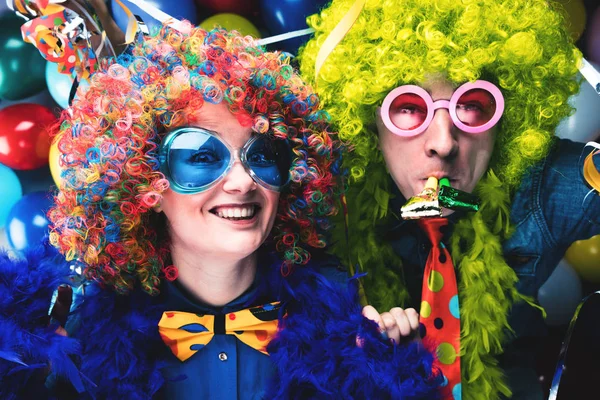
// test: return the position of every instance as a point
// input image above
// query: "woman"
(198, 182)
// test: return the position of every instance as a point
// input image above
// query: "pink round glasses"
(474, 108)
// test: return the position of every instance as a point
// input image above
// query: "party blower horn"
(455, 199)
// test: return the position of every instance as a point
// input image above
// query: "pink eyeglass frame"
(432, 106)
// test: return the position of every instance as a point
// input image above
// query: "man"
(471, 92)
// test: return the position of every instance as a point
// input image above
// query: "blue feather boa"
(118, 352)
(28, 344)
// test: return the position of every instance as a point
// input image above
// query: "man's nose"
(441, 136)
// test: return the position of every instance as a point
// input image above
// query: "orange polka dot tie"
(440, 316)
(186, 333)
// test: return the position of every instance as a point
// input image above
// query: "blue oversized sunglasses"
(195, 159)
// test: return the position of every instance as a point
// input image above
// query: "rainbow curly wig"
(519, 45)
(103, 215)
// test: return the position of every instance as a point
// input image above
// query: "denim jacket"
(549, 212)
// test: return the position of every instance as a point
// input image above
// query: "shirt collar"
(260, 291)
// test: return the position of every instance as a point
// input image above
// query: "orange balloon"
(574, 12)
(584, 257)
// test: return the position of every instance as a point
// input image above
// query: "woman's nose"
(238, 179)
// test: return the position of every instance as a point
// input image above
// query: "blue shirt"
(226, 368)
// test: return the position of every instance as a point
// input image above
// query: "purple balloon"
(593, 37)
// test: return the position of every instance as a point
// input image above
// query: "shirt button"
(223, 356)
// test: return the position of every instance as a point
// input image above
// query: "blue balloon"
(59, 85)
(10, 191)
(27, 224)
(4, 10)
(282, 16)
(178, 9)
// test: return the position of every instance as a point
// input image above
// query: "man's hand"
(396, 324)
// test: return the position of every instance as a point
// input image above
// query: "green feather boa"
(486, 283)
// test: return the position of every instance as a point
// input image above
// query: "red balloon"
(242, 7)
(24, 139)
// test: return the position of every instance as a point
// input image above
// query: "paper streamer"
(590, 172)
(285, 36)
(337, 34)
(590, 74)
(156, 14)
(60, 35)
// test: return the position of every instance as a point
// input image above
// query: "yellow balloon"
(584, 257)
(231, 22)
(55, 169)
(574, 12)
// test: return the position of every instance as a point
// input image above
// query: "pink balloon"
(242, 7)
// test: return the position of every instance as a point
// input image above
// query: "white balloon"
(561, 294)
(584, 124)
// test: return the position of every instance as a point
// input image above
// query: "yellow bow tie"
(186, 333)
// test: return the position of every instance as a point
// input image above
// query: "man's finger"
(371, 313)
(391, 326)
(413, 318)
(401, 321)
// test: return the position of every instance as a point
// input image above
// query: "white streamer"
(590, 74)
(285, 36)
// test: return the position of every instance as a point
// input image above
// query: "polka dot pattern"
(435, 281)
(445, 382)
(453, 306)
(261, 335)
(446, 353)
(457, 392)
(422, 330)
(425, 309)
(187, 333)
(440, 313)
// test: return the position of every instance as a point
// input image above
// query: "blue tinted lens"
(270, 160)
(197, 159)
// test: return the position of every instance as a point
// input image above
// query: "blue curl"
(93, 155)
(208, 68)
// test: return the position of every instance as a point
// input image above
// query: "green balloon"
(22, 67)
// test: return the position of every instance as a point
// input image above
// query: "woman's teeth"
(236, 213)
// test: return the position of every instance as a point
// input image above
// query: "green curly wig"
(522, 47)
